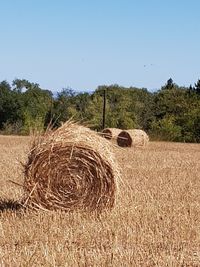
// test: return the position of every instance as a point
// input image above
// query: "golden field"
(156, 221)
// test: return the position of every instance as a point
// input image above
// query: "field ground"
(156, 221)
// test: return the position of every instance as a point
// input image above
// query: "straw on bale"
(133, 137)
(110, 133)
(71, 168)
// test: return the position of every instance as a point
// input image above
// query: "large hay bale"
(110, 133)
(133, 137)
(71, 168)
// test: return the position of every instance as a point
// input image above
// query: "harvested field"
(155, 223)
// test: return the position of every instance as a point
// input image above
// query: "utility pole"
(104, 108)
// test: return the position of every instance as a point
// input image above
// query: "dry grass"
(156, 222)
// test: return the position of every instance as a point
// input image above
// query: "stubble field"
(156, 221)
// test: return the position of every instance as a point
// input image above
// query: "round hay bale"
(110, 133)
(71, 168)
(133, 137)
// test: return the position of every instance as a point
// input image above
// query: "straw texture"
(133, 137)
(111, 133)
(71, 168)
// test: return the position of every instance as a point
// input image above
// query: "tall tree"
(197, 87)
(10, 105)
(170, 84)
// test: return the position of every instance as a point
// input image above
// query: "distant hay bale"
(71, 168)
(110, 133)
(133, 137)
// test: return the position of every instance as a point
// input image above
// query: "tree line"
(171, 113)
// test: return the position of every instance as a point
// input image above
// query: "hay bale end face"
(133, 137)
(110, 133)
(71, 168)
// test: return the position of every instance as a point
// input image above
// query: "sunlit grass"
(156, 221)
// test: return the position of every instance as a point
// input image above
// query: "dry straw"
(71, 168)
(111, 133)
(133, 137)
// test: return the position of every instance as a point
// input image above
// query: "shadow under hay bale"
(71, 168)
(110, 133)
(135, 137)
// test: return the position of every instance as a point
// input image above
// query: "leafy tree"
(166, 129)
(93, 114)
(10, 105)
(171, 113)
(170, 84)
(62, 109)
(118, 107)
(19, 84)
(36, 103)
(197, 87)
(5, 102)
(81, 102)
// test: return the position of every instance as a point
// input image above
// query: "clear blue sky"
(85, 43)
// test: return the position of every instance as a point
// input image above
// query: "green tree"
(36, 105)
(10, 105)
(197, 87)
(118, 108)
(63, 107)
(166, 129)
(170, 84)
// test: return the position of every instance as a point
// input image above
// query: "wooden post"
(104, 109)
